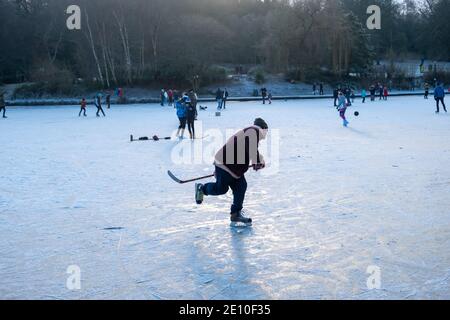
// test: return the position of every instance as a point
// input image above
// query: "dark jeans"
(437, 104)
(224, 105)
(100, 109)
(224, 181)
(182, 123)
(81, 110)
(191, 127)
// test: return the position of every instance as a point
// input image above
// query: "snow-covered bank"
(77, 192)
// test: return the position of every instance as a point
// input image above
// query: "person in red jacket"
(83, 105)
(170, 95)
(385, 93)
(231, 163)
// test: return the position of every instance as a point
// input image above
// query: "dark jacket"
(219, 94)
(242, 151)
(190, 111)
(439, 92)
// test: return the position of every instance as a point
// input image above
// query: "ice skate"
(199, 193)
(239, 220)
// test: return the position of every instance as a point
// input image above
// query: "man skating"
(427, 91)
(225, 98)
(264, 95)
(363, 95)
(232, 162)
(194, 100)
(108, 100)
(335, 96)
(439, 95)
(3, 104)
(219, 99)
(98, 104)
(181, 114)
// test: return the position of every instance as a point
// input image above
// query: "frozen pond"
(337, 202)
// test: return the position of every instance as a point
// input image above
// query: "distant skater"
(181, 114)
(427, 91)
(264, 95)
(363, 95)
(162, 97)
(372, 93)
(170, 95)
(194, 100)
(439, 95)
(269, 97)
(3, 104)
(321, 89)
(190, 116)
(108, 100)
(335, 96)
(83, 105)
(98, 104)
(219, 99)
(342, 108)
(225, 98)
(385, 93)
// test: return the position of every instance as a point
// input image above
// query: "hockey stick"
(174, 178)
(187, 181)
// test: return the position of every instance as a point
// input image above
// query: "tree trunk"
(126, 46)
(94, 53)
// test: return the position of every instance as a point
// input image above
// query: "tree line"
(137, 42)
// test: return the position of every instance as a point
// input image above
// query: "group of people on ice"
(378, 90)
(222, 98)
(320, 90)
(168, 97)
(97, 104)
(187, 113)
(344, 97)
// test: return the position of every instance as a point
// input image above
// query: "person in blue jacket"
(182, 117)
(439, 95)
(342, 108)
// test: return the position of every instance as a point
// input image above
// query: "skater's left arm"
(259, 162)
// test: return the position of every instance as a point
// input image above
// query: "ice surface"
(77, 192)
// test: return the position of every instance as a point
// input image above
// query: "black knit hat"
(261, 123)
